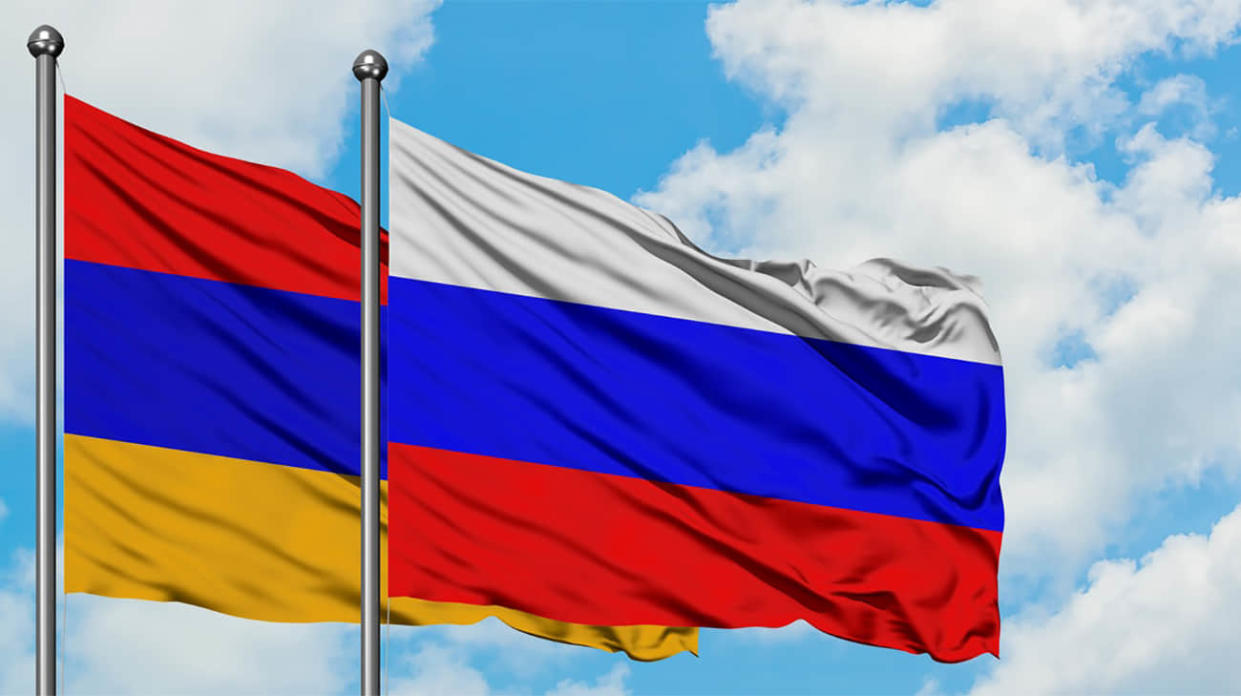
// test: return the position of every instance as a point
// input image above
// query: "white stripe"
(465, 220)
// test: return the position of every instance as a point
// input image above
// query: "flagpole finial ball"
(370, 64)
(46, 41)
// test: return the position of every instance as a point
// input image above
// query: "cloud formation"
(1164, 624)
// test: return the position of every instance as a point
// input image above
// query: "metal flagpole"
(370, 68)
(45, 44)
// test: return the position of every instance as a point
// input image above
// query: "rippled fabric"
(594, 420)
(273, 543)
(461, 219)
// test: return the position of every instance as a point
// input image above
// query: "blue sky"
(1089, 176)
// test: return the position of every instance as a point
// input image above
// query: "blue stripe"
(213, 367)
(696, 404)
(269, 375)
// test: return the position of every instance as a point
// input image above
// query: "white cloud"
(441, 659)
(789, 633)
(1135, 278)
(1045, 63)
(1183, 99)
(265, 81)
(17, 624)
(514, 652)
(445, 669)
(133, 647)
(1164, 624)
(611, 683)
(436, 669)
(1170, 91)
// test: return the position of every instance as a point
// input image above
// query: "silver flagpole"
(370, 68)
(45, 44)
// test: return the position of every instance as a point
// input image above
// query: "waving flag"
(212, 388)
(593, 420)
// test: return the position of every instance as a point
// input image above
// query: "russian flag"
(595, 421)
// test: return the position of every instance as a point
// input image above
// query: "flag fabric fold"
(593, 420)
(211, 391)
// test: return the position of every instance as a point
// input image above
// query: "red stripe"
(601, 549)
(138, 199)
